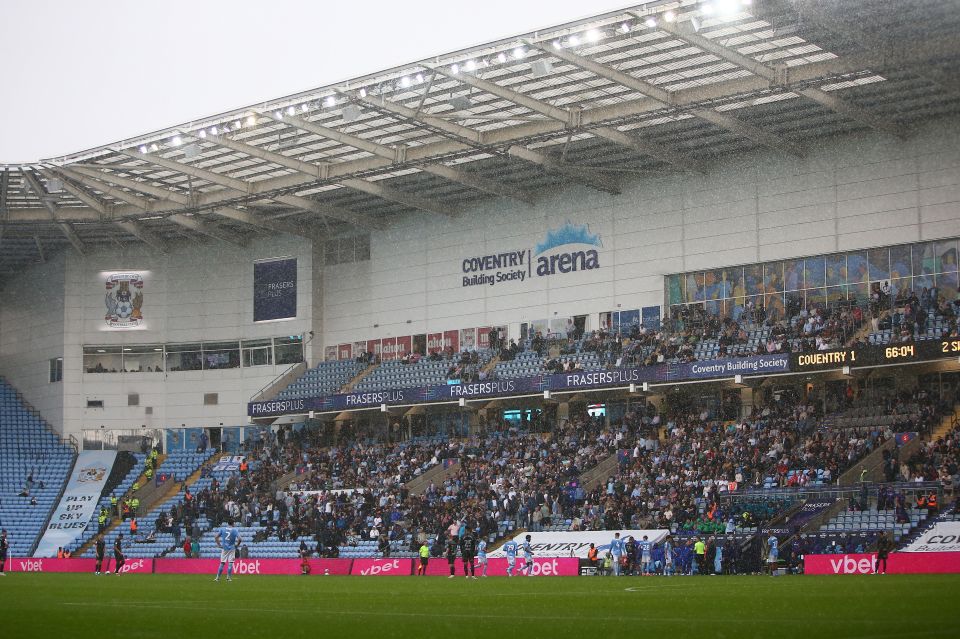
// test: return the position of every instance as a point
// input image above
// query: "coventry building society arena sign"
(518, 266)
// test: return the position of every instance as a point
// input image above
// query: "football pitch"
(171, 606)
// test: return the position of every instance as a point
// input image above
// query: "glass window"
(793, 275)
(733, 277)
(56, 369)
(753, 279)
(924, 259)
(713, 285)
(184, 357)
(859, 293)
(900, 261)
(257, 352)
(879, 261)
(816, 297)
(221, 355)
(947, 256)
(144, 358)
(102, 359)
(674, 290)
(288, 350)
(947, 286)
(776, 310)
(773, 277)
(814, 272)
(857, 269)
(836, 269)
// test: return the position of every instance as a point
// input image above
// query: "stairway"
(436, 475)
(349, 386)
(946, 424)
(599, 474)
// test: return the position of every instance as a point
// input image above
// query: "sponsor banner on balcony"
(898, 563)
(758, 365)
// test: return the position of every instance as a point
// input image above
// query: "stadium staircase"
(436, 475)
(359, 377)
(948, 423)
(490, 366)
(152, 502)
(271, 390)
(596, 476)
(873, 463)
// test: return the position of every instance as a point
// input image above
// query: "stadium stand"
(34, 466)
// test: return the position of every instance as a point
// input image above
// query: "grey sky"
(82, 74)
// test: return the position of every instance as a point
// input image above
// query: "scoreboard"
(906, 353)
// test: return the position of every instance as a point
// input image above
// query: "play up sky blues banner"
(79, 501)
(527, 385)
(274, 290)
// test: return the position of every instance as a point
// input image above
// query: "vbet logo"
(847, 565)
(562, 251)
(381, 568)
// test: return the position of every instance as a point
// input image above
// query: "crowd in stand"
(671, 472)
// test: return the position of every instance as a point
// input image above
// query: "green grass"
(172, 606)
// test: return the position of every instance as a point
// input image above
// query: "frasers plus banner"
(274, 290)
(576, 544)
(943, 537)
(564, 250)
(79, 501)
(527, 385)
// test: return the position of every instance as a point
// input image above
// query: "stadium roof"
(651, 89)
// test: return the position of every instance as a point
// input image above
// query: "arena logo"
(549, 258)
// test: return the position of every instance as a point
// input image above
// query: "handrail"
(832, 490)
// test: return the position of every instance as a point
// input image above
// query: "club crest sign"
(124, 300)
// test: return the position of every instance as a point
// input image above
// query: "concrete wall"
(32, 320)
(857, 191)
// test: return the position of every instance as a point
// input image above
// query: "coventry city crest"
(124, 300)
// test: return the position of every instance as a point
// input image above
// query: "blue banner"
(760, 364)
(274, 290)
(230, 439)
(175, 440)
(651, 317)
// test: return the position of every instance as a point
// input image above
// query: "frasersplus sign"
(660, 373)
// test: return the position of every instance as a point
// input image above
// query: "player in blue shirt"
(667, 557)
(482, 557)
(527, 557)
(646, 563)
(227, 538)
(773, 554)
(510, 548)
(616, 549)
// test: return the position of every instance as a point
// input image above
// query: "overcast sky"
(81, 74)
